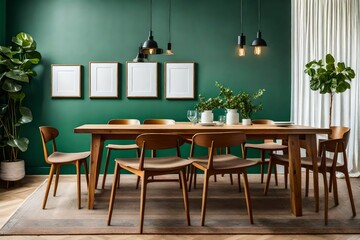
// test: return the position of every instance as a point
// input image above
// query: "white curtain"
(320, 27)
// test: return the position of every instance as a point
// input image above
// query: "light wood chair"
(267, 146)
(328, 163)
(111, 147)
(146, 168)
(57, 159)
(159, 121)
(220, 163)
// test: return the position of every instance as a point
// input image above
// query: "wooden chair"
(159, 121)
(220, 163)
(56, 159)
(267, 146)
(326, 164)
(111, 147)
(146, 168)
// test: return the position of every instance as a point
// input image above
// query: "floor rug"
(164, 211)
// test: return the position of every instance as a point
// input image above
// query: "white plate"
(207, 124)
(284, 124)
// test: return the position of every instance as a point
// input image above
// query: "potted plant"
(248, 107)
(16, 64)
(242, 101)
(205, 107)
(330, 78)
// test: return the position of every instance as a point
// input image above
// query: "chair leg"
(348, 184)
(335, 189)
(215, 179)
(56, 179)
(137, 182)
(51, 173)
(78, 183)
(86, 169)
(307, 183)
(185, 195)
(247, 195)
(142, 201)
(113, 192)
(262, 154)
(192, 170)
(275, 174)
(195, 176)
(286, 172)
(106, 168)
(268, 177)
(231, 179)
(239, 182)
(326, 196)
(204, 197)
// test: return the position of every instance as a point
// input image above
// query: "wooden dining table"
(102, 132)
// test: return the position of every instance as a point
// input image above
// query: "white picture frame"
(103, 79)
(65, 81)
(179, 80)
(142, 79)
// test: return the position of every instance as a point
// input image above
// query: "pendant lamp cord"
(169, 19)
(150, 15)
(241, 19)
(259, 15)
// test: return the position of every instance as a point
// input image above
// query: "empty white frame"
(179, 80)
(65, 81)
(103, 79)
(142, 79)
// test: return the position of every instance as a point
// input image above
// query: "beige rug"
(164, 213)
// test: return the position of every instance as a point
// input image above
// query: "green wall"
(2, 21)
(203, 31)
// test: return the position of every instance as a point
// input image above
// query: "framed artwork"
(142, 79)
(179, 80)
(65, 81)
(103, 79)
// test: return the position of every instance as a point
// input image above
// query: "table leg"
(97, 144)
(295, 175)
(312, 152)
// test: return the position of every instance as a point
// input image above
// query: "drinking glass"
(222, 119)
(191, 115)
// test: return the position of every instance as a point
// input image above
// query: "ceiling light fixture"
(258, 43)
(150, 46)
(168, 50)
(241, 38)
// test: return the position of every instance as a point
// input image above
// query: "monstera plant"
(16, 62)
(330, 78)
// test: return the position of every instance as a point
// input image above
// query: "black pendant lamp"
(241, 38)
(258, 43)
(140, 57)
(150, 46)
(168, 50)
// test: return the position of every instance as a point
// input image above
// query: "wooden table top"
(188, 128)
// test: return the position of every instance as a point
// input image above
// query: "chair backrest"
(262, 121)
(338, 132)
(158, 141)
(212, 141)
(160, 121)
(47, 134)
(124, 121)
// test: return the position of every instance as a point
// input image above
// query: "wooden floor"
(11, 199)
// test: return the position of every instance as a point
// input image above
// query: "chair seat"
(122, 146)
(224, 162)
(60, 157)
(306, 161)
(266, 146)
(155, 164)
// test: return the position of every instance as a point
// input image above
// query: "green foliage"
(330, 78)
(243, 101)
(207, 104)
(16, 64)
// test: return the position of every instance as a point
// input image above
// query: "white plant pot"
(12, 171)
(232, 117)
(246, 121)
(207, 116)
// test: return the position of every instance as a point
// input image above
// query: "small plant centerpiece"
(243, 101)
(330, 78)
(205, 107)
(16, 64)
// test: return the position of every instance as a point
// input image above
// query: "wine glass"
(191, 115)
